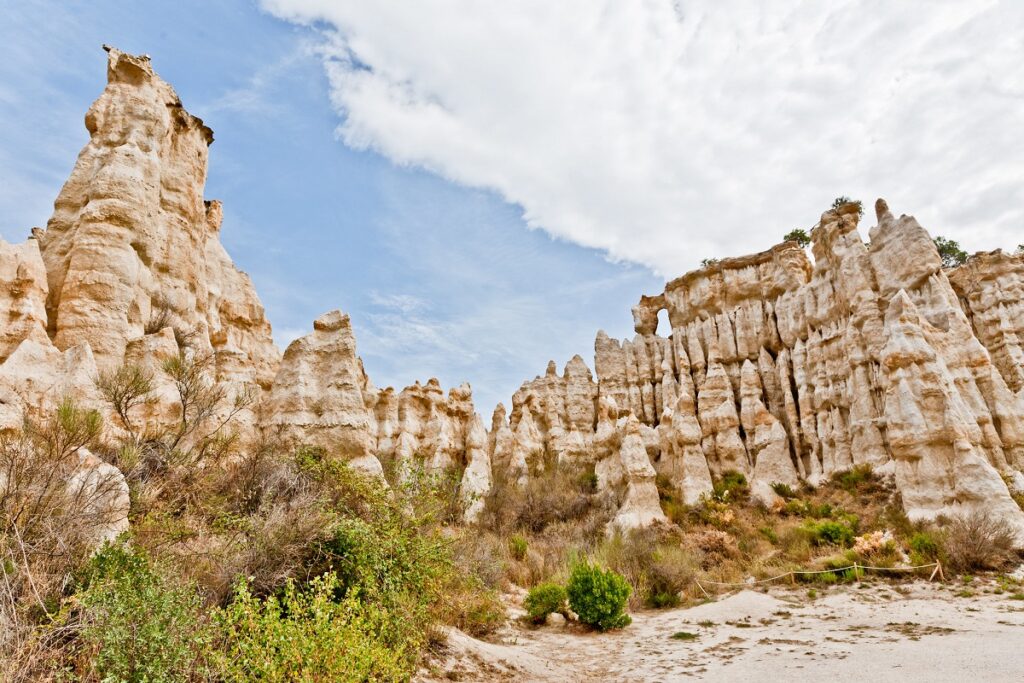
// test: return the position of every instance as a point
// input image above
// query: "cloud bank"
(664, 132)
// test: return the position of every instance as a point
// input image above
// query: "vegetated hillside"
(180, 501)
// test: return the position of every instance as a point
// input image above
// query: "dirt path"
(919, 632)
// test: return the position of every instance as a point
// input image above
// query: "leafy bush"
(598, 596)
(306, 635)
(804, 508)
(137, 625)
(783, 491)
(544, 599)
(977, 540)
(830, 532)
(925, 547)
(732, 486)
(853, 479)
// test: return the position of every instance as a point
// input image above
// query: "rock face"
(132, 248)
(321, 395)
(782, 369)
(132, 237)
(785, 370)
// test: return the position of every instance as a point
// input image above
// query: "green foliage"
(854, 479)
(924, 548)
(950, 252)
(805, 508)
(684, 635)
(732, 486)
(705, 262)
(598, 596)
(517, 545)
(799, 236)
(311, 635)
(839, 202)
(783, 490)
(544, 599)
(139, 626)
(830, 532)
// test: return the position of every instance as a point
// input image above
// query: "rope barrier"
(855, 566)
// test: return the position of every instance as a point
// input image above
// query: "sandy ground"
(866, 632)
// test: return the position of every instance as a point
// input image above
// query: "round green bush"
(598, 596)
(544, 599)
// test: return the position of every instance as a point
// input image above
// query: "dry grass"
(727, 538)
(978, 541)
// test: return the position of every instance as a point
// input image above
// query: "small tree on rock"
(844, 200)
(799, 236)
(950, 252)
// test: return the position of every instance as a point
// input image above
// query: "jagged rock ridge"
(774, 366)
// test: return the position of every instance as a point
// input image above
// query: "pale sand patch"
(915, 632)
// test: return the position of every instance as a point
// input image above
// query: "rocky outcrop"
(321, 396)
(132, 248)
(786, 370)
(990, 287)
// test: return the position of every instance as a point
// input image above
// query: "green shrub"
(784, 490)
(830, 532)
(544, 599)
(138, 626)
(851, 480)
(311, 634)
(732, 486)
(598, 596)
(518, 546)
(924, 548)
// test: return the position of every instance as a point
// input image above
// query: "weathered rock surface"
(321, 396)
(780, 368)
(788, 370)
(132, 247)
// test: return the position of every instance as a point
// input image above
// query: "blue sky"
(440, 280)
(484, 184)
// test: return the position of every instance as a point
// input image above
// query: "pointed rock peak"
(632, 425)
(902, 309)
(577, 367)
(602, 336)
(552, 369)
(332, 321)
(499, 414)
(882, 211)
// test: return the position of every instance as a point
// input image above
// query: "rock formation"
(132, 248)
(777, 367)
(784, 370)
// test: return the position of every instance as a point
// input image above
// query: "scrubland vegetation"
(250, 561)
(245, 561)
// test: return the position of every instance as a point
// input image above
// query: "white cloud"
(664, 132)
